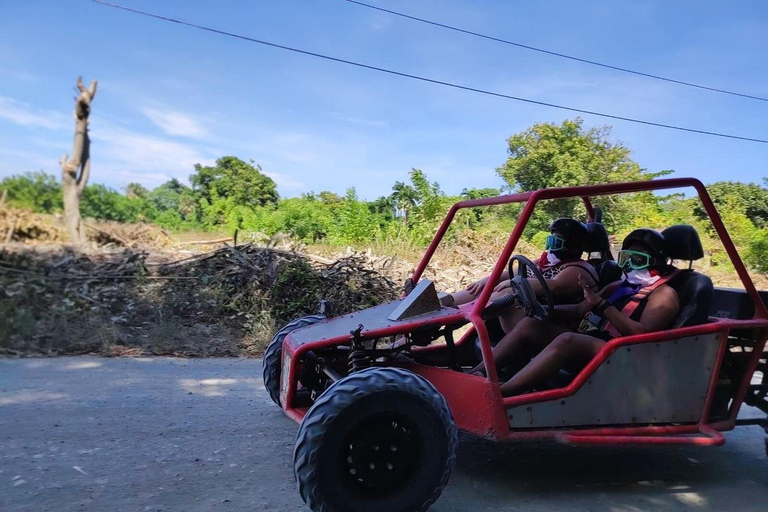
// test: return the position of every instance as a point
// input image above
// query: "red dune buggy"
(380, 402)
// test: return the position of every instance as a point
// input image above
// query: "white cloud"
(358, 120)
(285, 182)
(147, 159)
(176, 123)
(24, 114)
(18, 75)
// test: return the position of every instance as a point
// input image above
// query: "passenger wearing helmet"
(641, 302)
(560, 264)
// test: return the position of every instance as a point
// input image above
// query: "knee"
(563, 344)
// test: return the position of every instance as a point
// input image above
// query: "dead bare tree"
(75, 170)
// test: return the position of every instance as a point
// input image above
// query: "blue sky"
(170, 96)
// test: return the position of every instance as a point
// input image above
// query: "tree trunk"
(75, 170)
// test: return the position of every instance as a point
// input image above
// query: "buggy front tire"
(271, 363)
(378, 440)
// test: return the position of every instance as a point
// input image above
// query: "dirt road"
(160, 434)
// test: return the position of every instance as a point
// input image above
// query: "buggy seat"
(598, 244)
(694, 290)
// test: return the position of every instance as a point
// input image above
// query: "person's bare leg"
(528, 333)
(462, 297)
(510, 317)
(556, 355)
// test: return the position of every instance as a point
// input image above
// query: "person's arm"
(564, 284)
(477, 287)
(660, 310)
(566, 312)
(577, 311)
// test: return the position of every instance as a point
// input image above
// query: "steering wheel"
(523, 291)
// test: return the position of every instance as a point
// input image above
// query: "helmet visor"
(635, 260)
(554, 243)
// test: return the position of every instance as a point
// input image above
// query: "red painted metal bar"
(480, 303)
(486, 350)
(506, 253)
(730, 248)
(644, 431)
(707, 437)
(618, 188)
(493, 201)
(434, 243)
(488, 201)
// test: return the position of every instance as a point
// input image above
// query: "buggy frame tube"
(585, 192)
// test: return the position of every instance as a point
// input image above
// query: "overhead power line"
(557, 54)
(425, 79)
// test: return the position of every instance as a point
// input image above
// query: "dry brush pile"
(223, 303)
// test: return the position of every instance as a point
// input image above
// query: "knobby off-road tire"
(272, 361)
(379, 440)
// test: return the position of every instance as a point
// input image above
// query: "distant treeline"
(234, 194)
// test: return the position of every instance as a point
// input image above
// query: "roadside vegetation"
(237, 195)
(134, 290)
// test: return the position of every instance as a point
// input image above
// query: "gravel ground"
(152, 434)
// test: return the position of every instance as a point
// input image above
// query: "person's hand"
(477, 287)
(503, 285)
(589, 294)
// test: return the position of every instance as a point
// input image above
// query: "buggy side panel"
(638, 384)
(474, 402)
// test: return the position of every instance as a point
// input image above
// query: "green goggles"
(554, 243)
(635, 260)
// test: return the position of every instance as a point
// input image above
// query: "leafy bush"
(36, 191)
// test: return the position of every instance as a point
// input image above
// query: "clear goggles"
(554, 243)
(635, 260)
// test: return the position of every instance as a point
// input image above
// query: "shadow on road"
(549, 476)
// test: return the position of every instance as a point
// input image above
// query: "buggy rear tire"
(378, 440)
(271, 363)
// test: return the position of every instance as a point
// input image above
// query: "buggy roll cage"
(476, 402)
(585, 192)
(531, 199)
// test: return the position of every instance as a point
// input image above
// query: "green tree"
(231, 178)
(330, 197)
(384, 206)
(548, 155)
(750, 199)
(431, 198)
(354, 222)
(306, 219)
(478, 193)
(405, 198)
(136, 191)
(100, 202)
(36, 191)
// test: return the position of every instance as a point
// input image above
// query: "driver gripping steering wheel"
(554, 277)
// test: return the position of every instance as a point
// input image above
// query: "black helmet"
(652, 240)
(574, 232)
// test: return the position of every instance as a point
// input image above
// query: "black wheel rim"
(380, 454)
